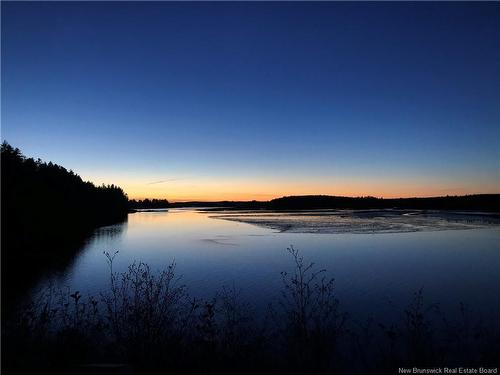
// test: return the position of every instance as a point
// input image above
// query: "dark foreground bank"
(147, 323)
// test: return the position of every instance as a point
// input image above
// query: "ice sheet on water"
(363, 221)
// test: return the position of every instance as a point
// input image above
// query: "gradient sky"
(257, 100)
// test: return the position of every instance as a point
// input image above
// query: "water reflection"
(376, 270)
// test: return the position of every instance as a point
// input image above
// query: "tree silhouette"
(46, 211)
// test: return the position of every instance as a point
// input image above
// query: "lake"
(378, 259)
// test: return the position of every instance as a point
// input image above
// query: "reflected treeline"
(147, 323)
(47, 212)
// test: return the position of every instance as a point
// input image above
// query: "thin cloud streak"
(172, 180)
(165, 181)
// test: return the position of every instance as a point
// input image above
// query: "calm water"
(375, 274)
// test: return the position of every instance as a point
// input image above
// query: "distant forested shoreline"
(475, 202)
(148, 204)
(481, 202)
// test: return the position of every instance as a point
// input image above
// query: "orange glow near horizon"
(240, 191)
(247, 188)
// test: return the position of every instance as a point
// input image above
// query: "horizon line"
(312, 195)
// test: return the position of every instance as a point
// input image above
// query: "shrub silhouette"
(148, 321)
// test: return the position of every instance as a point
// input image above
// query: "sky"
(241, 101)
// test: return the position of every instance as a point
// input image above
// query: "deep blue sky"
(254, 100)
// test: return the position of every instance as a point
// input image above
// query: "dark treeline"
(482, 202)
(477, 202)
(46, 211)
(240, 205)
(43, 200)
(148, 203)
